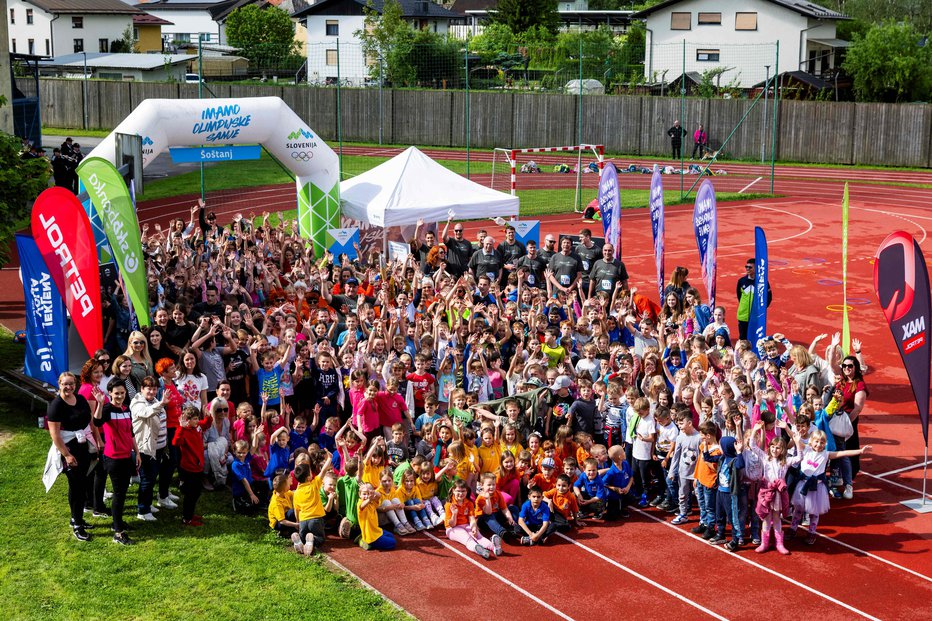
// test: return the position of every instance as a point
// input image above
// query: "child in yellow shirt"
(372, 536)
(391, 505)
(309, 511)
(281, 511)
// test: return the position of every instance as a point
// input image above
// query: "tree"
(21, 181)
(388, 36)
(125, 44)
(522, 15)
(891, 63)
(261, 35)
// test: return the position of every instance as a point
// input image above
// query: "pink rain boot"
(764, 542)
(778, 535)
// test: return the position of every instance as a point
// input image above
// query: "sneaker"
(207, 486)
(153, 509)
(755, 541)
(296, 542)
(672, 508)
(806, 520)
(80, 533)
(309, 546)
(811, 539)
(81, 524)
(344, 530)
(363, 544)
(732, 545)
(123, 539)
(102, 513)
(166, 503)
(145, 517)
(482, 551)
(642, 503)
(172, 497)
(699, 529)
(107, 495)
(848, 494)
(525, 541)
(716, 540)
(438, 520)
(656, 502)
(497, 545)
(835, 493)
(419, 525)
(709, 533)
(680, 519)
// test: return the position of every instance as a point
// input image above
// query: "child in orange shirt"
(524, 464)
(493, 513)
(563, 444)
(460, 521)
(564, 507)
(533, 447)
(707, 479)
(546, 478)
(583, 446)
(549, 451)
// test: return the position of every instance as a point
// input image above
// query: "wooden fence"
(807, 131)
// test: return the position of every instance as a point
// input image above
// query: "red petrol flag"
(65, 239)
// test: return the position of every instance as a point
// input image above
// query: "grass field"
(232, 568)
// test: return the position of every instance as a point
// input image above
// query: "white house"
(740, 36)
(189, 18)
(331, 27)
(55, 27)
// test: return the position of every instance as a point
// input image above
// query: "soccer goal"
(549, 168)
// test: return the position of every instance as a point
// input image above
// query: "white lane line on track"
(894, 483)
(657, 585)
(772, 572)
(501, 579)
(896, 215)
(903, 469)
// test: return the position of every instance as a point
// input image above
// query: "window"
(745, 21)
(332, 58)
(333, 28)
(28, 16)
(13, 47)
(31, 47)
(707, 56)
(103, 45)
(710, 19)
(48, 48)
(12, 18)
(135, 34)
(78, 46)
(680, 21)
(77, 22)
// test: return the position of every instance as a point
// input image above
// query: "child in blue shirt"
(300, 436)
(279, 455)
(269, 377)
(590, 490)
(244, 499)
(618, 481)
(534, 518)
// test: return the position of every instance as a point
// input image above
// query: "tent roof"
(411, 186)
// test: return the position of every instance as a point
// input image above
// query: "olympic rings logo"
(304, 156)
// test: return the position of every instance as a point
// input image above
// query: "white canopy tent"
(411, 186)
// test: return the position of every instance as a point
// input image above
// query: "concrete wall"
(807, 131)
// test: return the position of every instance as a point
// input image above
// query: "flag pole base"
(917, 505)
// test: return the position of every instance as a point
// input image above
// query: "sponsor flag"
(344, 242)
(527, 230)
(845, 328)
(46, 322)
(610, 207)
(656, 224)
(705, 223)
(757, 322)
(112, 202)
(901, 280)
(64, 237)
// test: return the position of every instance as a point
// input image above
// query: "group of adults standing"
(700, 140)
(65, 161)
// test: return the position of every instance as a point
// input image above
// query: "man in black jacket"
(676, 139)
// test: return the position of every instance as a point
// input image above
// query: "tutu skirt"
(815, 502)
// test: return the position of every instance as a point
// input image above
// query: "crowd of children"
(498, 394)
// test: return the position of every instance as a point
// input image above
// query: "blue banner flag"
(705, 223)
(344, 242)
(610, 207)
(527, 230)
(656, 224)
(757, 322)
(46, 321)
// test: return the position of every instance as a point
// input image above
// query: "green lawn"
(232, 568)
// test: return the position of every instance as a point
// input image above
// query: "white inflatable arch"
(268, 121)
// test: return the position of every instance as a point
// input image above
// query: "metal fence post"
(578, 202)
(339, 109)
(200, 95)
(466, 107)
(776, 96)
(380, 96)
(682, 119)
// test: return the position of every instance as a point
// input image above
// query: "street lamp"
(84, 93)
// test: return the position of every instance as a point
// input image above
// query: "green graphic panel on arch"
(318, 211)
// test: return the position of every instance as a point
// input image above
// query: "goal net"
(569, 173)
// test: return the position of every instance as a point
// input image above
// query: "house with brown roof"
(147, 32)
(56, 27)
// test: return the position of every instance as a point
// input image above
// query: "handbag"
(840, 425)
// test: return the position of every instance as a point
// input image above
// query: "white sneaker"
(438, 520)
(172, 497)
(107, 495)
(296, 542)
(145, 517)
(166, 503)
(849, 492)
(153, 509)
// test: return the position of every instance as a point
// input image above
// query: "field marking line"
(897, 215)
(904, 469)
(657, 585)
(906, 487)
(741, 191)
(501, 579)
(365, 584)
(772, 572)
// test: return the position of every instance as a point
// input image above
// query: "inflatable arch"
(268, 121)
